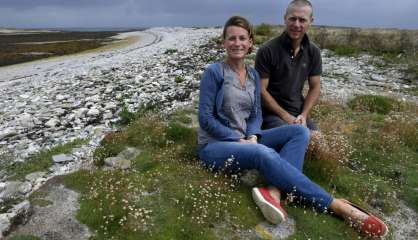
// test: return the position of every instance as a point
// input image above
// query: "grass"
(39, 162)
(381, 139)
(167, 194)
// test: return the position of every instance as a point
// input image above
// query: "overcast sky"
(148, 13)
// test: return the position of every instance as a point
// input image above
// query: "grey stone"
(32, 177)
(93, 112)
(81, 112)
(123, 164)
(284, 230)
(22, 212)
(129, 153)
(11, 191)
(251, 178)
(111, 161)
(8, 132)
(61, 158)
(110, 105)
(52, 123)
(4, 224)
(25, 188)
(26, 120)
(377, 77)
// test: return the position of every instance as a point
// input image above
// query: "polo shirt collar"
(287, 42)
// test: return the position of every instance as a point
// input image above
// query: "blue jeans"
(278, 156)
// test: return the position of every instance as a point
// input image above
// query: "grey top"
(236, 105)
(287, 73)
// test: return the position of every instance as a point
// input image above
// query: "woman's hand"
(242, 140)
(250, 139)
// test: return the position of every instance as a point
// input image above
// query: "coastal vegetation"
(19, 48)
(169, 194)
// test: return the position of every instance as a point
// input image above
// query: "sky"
(151, 13)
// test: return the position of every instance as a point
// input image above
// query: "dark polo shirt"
(287, 74)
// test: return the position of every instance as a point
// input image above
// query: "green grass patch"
(374, 104)
(380, 151)
(179, 79)
(169, 195)
(166, 195)
(170, 51)
(41, 161)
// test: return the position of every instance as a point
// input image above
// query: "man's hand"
(290, 119)
(300, 119)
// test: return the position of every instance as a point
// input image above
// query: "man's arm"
(272, 105)
(312, 96)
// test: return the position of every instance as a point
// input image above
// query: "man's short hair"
(299, 3)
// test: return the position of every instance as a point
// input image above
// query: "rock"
(32, 177)
(111, 161)
(25, 188)
(129, 153)
(281, 231)
(93, 112)
(4, 224)
(60, 97)
(118, 162)
(26, 120)
(376, 77)
(110, 105)
(8, 132)
(11, 191)
(251, 178)
(123, 164)
(52, 123)
(81, 112)
(22, 212)
(61, 158)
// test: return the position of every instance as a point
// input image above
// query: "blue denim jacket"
(211, 119)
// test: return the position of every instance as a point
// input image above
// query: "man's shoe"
(269, 206)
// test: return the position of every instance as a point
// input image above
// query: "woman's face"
(237, 42)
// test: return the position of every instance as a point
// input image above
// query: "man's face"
(298, 20)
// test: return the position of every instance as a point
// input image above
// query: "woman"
(230, 138)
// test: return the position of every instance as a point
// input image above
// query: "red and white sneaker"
(269, 206)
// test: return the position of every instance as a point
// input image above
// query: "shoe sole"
(270, 212)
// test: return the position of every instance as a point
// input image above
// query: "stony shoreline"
(51, 102)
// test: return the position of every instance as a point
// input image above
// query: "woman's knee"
(264, 153)
(302, 132)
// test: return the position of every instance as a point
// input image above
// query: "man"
(284, 64)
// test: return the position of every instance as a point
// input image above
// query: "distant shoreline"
(20, 46)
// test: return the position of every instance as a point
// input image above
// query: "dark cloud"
(130, 13)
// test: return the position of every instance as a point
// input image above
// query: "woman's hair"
(239, 21)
